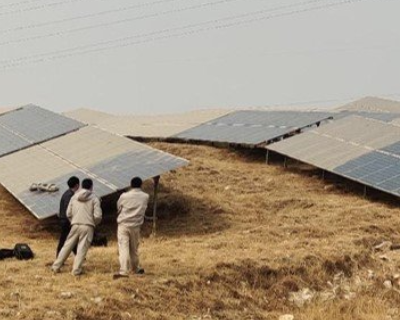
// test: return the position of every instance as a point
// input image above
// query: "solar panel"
(111, 157)
(10, 142)
(253, 127)
(44, 205)
(36, 165)
(349, 147)
(381, 116)
(141, 163)
(110, 160)
(30, 125)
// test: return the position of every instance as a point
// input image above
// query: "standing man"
(73, 185)
(131, 209)
(84, 212)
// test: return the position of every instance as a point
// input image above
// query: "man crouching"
(84, 212)
(131, 210)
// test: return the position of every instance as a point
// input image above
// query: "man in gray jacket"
(131, 209)
(84, 212)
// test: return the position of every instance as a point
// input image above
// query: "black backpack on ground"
(22, 251)
(6, 253)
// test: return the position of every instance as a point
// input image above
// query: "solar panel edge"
(26, 206)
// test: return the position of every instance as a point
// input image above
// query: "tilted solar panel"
(363, 150)
(10, 142)
(253, 127)
(382, 116)
(30, 125)
(110, 160)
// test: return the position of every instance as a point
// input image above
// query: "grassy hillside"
(236, 238)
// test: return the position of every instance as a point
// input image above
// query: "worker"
(84, 212)
(131, 210)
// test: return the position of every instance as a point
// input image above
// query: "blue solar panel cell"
(145, 164)
(393, 148)
(390, 184)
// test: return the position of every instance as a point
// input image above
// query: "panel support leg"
(285, 162)
(365, 191)
(156, 181)
(267, 157)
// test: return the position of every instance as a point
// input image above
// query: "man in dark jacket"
(73, 185)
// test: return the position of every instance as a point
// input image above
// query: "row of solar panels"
(360, 149)
(39, 146)
(251, 128)
(357, 143)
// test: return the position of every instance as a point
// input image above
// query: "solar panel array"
(253, 127)
(30, 125)
(360, 149)
(110, 160)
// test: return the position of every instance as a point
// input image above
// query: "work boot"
(139, 271)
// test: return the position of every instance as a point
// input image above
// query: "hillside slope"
(235, 238)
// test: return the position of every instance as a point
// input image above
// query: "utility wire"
(117, 22)
(15, 4)
(190, 26)
(86, 16)
(159, 35)
(42, 6)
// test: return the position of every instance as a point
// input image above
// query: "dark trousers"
(65, 229)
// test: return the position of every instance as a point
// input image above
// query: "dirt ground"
(236, 239)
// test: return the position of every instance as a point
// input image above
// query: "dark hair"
(136, 182)
(73, 182)
(87, 184)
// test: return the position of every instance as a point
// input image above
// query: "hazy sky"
(161, 56)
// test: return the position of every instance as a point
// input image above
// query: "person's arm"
(119, 205)
(98, 213)
(69, 210)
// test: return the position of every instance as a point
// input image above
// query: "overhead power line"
(42, 6)
(20, 3)
(86, 16)
(117, 22)
(217, 24)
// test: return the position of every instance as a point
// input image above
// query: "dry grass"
(234, 238)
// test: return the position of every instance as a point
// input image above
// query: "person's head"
(136, 183)
(87, 184)
(73, 183)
